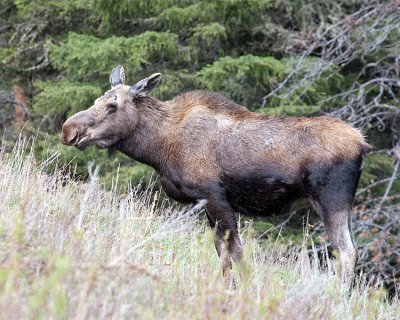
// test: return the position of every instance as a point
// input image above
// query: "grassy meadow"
(73, 250)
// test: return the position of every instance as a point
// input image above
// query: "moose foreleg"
(227, 241)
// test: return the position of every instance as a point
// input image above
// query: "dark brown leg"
(333, 197)
(227, 241)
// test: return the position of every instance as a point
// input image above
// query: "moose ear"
(145, 86)
(117, 76)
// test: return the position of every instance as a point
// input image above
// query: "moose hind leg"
(335, 188)
(338, 229)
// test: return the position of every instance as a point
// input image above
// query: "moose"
(210, 149)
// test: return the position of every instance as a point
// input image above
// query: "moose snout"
(69, 134)
(74, 129)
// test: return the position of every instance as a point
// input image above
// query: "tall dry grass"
(71, 250)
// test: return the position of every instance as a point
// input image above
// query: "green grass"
(71, 250)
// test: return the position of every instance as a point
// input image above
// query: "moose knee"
(235, 249)
(230, 242)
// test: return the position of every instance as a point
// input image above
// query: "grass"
(72, 250)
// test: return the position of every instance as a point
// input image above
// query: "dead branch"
(373, 98)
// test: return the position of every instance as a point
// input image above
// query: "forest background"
(278, 57)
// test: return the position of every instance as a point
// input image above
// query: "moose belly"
(263, 195)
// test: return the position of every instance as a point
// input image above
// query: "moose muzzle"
(74, 129)
(70, 134)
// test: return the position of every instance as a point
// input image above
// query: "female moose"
(206, 147)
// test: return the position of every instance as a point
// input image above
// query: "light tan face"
(112, 116)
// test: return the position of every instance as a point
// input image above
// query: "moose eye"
(111, 107)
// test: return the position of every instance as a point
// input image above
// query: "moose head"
(112, 117)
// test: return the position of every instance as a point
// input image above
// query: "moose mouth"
(101, 144)
(81, 142)
(84, 141)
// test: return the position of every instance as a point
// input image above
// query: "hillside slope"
(73, 250)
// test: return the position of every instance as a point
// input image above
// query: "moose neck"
(145, 143)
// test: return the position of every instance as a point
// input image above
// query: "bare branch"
(373, 98)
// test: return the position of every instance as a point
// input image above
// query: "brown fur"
(205, 146)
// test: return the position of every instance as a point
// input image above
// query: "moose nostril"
(74, 139)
